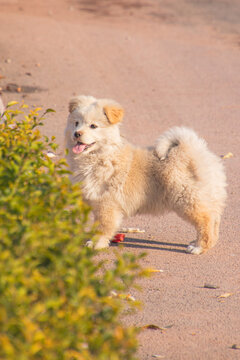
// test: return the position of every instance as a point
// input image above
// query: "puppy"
(117, 179)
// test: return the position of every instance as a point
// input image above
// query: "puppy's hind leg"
(207, 226)
(109, 218)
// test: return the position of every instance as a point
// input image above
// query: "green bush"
(55, 298)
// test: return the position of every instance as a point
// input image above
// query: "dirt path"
(168, 63)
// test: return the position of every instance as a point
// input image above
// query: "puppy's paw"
(89, 244)
(101, 245)
(193, 249)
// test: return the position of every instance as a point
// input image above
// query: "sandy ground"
(168, 63)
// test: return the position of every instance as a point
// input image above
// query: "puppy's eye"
(93, 126)
(76, 123)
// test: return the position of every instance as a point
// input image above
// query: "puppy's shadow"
(153, 245)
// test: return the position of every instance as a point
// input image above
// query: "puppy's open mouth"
(80, 147)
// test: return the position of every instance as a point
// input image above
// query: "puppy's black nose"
(77, 134)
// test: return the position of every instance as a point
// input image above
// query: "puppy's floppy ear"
(80, 101)
(73, 104)
(114, 113)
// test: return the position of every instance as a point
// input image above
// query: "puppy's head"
(93, 124)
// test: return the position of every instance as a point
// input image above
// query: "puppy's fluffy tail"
(183, 152)
(178, 136)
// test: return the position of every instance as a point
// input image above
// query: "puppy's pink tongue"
(78, 148)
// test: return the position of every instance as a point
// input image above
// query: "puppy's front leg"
(109, 218)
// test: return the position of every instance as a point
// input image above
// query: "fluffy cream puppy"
(117, 179)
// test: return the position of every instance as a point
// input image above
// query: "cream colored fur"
(117, 179)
